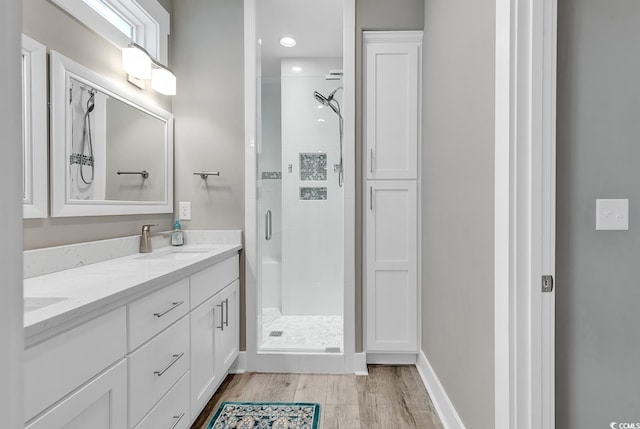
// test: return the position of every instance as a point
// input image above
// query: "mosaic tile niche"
(313, 193)
(313, 166)
(271, 175)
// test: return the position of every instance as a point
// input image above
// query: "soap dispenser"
(177, 236)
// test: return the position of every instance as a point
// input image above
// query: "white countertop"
(101, 286)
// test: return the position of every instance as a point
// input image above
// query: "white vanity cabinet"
(100, 404)
(132, 367)
(57, 368)
(214, 329)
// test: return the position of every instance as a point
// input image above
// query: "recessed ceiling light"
(288, 42)
(296, 69)
(259, 41)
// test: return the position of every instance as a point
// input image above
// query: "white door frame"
(288, 361)
(526, 32)
(11, 309)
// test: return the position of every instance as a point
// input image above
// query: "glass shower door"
(300, 201)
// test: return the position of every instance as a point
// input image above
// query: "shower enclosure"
(299, 197)
(301, 200)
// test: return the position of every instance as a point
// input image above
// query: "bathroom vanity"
(137, 341)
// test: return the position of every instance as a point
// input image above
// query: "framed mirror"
(34, 129)
(111, 148)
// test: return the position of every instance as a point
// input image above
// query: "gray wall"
(458, 199)
(598, 153)
(51, 26)
(374, 15)
(208, 53)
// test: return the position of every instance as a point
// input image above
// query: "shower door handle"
(267, 225)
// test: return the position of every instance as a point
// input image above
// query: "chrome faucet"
(145, 239)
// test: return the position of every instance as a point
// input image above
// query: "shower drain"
(276, 333)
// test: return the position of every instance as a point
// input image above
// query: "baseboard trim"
(391, 358)
(360, 363)
(444, 407)
(240, 364)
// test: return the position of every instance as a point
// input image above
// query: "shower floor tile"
(301, 333)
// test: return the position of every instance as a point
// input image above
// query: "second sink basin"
(32, 303)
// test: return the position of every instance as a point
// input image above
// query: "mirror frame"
(34, 128)
(62, 69)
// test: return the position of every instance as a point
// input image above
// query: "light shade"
(163, 81)
(136, 62)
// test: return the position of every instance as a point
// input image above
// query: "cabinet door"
(228, 334)
(100, 404)
(391, 266)
(205, 321)
(391, 107)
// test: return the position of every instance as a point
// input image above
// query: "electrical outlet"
(185, 210)
(612, 214)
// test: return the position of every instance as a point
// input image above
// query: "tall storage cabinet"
(392, 92)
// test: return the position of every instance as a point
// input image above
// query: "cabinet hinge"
(547, 283)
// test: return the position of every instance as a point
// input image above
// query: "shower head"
(321, 98)
(327, 101)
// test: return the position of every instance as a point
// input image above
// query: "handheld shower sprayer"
(87, 138)
(335, 106)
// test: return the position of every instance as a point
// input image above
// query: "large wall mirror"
(34, 128)
(111, 149)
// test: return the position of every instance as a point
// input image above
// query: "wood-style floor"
(390, 397)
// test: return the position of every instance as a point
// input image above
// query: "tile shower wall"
(312, 202)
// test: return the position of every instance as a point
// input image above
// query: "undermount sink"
(176, 254)
(32, 303)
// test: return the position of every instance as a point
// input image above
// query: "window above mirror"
(144, 22)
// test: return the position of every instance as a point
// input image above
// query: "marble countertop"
(57, 299)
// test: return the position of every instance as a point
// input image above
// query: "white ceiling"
(315, 24)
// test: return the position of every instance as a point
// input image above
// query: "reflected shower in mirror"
(117, 150)
(112, 149)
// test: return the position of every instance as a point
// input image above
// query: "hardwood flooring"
(390, 397)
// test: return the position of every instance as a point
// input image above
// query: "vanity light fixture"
(137, 63)
(163, 81)
(288, 42)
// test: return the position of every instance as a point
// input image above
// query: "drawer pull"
(177, 420)
(174, 305)
(226, 312)
(221, 305)
(169, 365)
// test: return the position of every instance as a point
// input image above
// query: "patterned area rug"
(266, 415)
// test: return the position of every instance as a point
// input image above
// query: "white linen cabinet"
(391, 134)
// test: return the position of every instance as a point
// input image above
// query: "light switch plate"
(185, 210)
(612, 214)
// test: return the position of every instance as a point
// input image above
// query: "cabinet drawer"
(157, 366)
(172, 411)
(56, 367)
(154, 312)
(212, 280)
(100, 404)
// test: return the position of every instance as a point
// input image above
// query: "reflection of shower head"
(91, 102)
